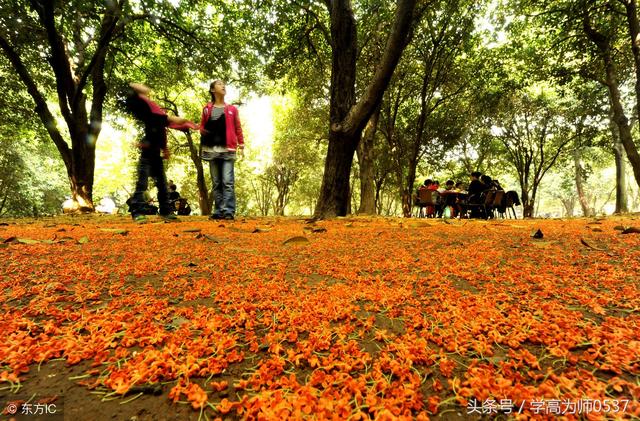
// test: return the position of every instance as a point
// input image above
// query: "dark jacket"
(153, 117)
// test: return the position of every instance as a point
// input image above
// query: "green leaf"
(115, 231)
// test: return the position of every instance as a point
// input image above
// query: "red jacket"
(235, 139)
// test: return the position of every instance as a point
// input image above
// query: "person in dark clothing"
(173, 193)
(475, 190)
(154, 142)
(182, 207)
(476, 187)
(487, 181)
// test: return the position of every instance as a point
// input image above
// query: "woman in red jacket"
(221, 139)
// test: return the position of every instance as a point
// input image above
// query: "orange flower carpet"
(354, 318)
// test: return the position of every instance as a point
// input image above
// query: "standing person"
(221, 137)
(155, 121)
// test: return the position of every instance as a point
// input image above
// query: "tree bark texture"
(619, 158)
(579, 179)
(203, 191)
(365, 152)
(348, 118)
(603, 43)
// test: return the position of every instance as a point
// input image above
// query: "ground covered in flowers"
(352, 318)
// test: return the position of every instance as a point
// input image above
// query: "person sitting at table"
(173, 192)
(435, 185)
(475, 190)
(476, 187)
(429, 185)
(459, 186)
(487, 181)
(449, 199)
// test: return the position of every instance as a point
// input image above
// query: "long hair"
(133, 105)
(211, 86)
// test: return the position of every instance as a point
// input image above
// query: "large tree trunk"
(584, 204)
(81, 173)
(527, 201)
(334, 193)
(603, 43)
(348, 118)
(622, 203)
(621, 176)
(569, 205)
(407, 189)
(531, 199)
(634, 33)
(366, 161)
(623, 124)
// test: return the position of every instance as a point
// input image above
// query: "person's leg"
(228, 189)
(215, 167)
(142, 183)
(157, 171)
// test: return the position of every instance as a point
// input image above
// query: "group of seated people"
(179, 204)
(456, 200)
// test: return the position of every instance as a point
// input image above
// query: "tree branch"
(41, 103)
(60, 64)
(400, 35)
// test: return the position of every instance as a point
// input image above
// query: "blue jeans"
(224, 194)
(150, 165)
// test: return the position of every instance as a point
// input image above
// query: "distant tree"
(534, 133)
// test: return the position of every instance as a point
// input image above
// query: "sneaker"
(140, 219)
(169, 218)
(215, 217)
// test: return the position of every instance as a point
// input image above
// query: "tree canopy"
(415, 89)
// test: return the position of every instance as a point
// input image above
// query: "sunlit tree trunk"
(579, 178)
(203, 192)
(621, 176)
(366, 164)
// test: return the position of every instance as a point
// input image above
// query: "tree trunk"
(621, 176)
(634, 33)
(81, 174)
(603, 43)
(407, 190)
(203, 192)
(569, 205)
(348, 117)
(623, 124)
(366, 161)
(622, 203)
(530, 206)
(527, 202)
(334, 193)
(577, 161)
